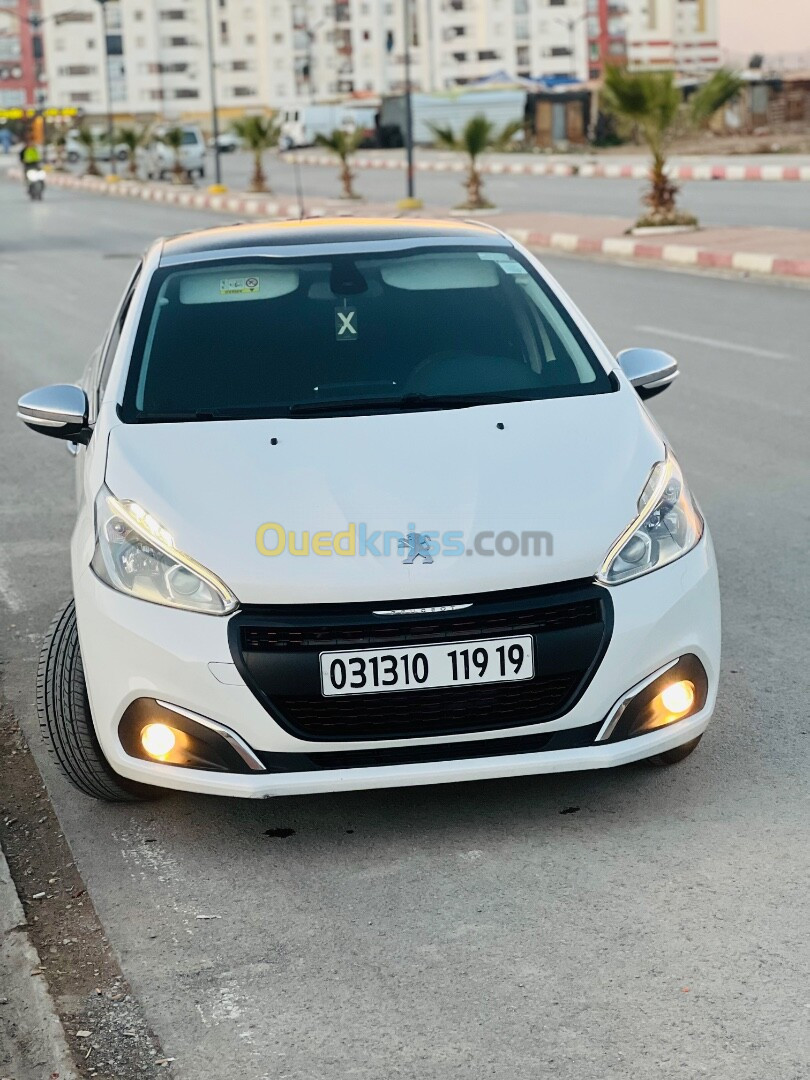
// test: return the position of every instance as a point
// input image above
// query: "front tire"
(677, 753)
(65, 720)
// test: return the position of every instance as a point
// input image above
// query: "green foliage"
(649, 100)
(131, 137)
(258, 133)
(340, 142)
(86, 137)
(173, 138)
(476, 137)
(709, 98)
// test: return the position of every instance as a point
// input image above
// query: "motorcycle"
(35, 179)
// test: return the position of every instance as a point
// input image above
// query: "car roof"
(314, 232)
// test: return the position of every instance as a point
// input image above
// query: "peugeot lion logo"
(417, 545)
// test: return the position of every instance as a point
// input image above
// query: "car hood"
(571, 469)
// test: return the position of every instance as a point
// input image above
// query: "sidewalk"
(753, 250)
(559, 165)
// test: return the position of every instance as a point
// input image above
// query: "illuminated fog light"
(678, 698)
(158, 740)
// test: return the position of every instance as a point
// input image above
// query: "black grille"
(277, 651)
(430, 712)
(419, 753)
(447, 628)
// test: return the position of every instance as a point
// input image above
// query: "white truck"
(301, 124)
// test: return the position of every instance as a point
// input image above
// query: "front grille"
(277, 652)
(450, 628)
(430, 712)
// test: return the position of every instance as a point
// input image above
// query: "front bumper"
(133, 649)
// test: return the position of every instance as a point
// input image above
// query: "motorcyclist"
(30, 158)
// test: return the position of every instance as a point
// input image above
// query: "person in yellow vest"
(30, 158)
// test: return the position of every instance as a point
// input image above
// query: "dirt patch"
(104, 1024)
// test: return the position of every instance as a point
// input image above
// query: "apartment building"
(357, 46)
(154, 54)
(273, 51)
(678, 35)
(157, 55)
(22, 68)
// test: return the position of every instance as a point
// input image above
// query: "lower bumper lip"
(271, 785)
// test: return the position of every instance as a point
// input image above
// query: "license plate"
(419, 667)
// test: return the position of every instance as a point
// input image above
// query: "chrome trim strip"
(616, 713)
(424, 610)
(236, 741)
(56, 420)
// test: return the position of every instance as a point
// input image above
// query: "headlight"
(668, 525)
(136, 555)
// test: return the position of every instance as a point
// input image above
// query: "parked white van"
(157, 159)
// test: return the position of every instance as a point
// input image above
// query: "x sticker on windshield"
(346, 324)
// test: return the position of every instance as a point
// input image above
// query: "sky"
(748, 26)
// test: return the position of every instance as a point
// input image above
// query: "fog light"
(158, 740)
(678, 698)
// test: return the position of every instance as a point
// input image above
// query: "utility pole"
(410, 202)
(108, 82)
(213, 85)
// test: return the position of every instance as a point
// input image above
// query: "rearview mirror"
(60, 411)
(649, 370)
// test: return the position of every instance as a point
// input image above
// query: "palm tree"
(650, 102)
(88, 141)
(173, 138)
(259, 134)
(132, 138)
(343, 144)
(708, 99)
(476, 137)
(60, 144)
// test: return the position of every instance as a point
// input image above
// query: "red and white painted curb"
(245, 204)
(684, 255)
(258, 206)
(587, 169)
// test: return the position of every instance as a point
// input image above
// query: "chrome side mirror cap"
(649, 370)
(60, 411)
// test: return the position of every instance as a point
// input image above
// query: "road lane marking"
(8, 592)
(714, 343)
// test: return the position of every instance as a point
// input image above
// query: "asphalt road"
(475, 930)
(783, 204)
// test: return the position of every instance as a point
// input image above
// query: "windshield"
(366, 333)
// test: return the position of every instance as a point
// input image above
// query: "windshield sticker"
(234, 286)
(493, 256)
(346, 324)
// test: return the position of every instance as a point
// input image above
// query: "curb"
(28, 1012)
(683, 255)
(587, 169)
(189, 199)
(617, 247)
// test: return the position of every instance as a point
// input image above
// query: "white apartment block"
(158, 55)
(676, 35)
(274, 52)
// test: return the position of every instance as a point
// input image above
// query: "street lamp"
(213, 84)
(108, 81)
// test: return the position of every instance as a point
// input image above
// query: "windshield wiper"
(408, 401)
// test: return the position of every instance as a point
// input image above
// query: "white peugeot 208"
(362, 504)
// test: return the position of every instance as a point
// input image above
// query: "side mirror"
(649, 370)
(60, 411)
